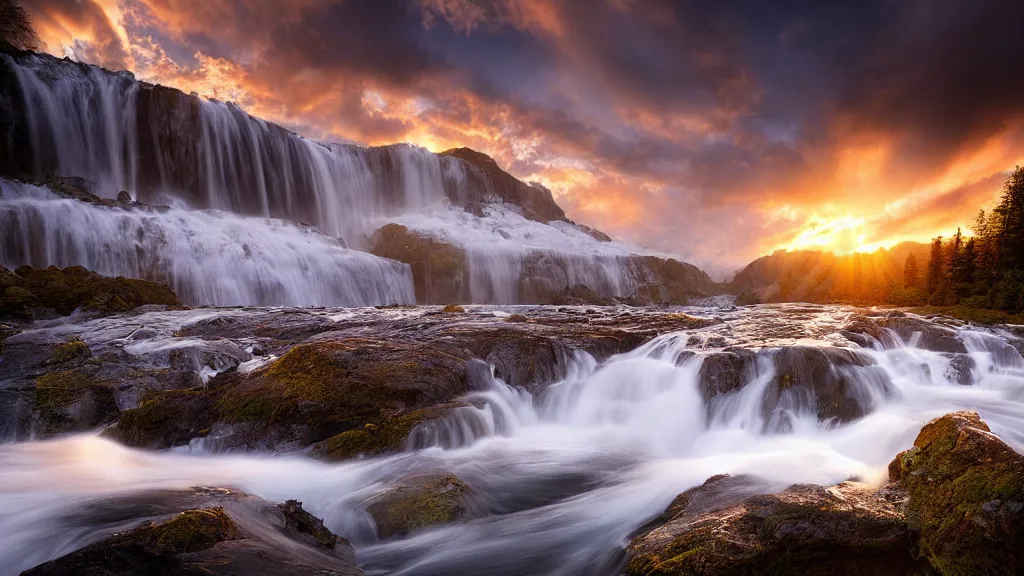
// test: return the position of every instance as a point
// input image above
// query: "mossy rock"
(73, 400)
(845, 530)
(440, 271)
(153, 548)
(73, 349)
(418, 502)
(965, 490)
(166, 418)
(453, 309)
(337, 386)
(66, 290)
(387, 435)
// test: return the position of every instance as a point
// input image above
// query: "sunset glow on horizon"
(710, 144)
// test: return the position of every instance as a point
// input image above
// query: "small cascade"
(562, 478)
(207, 257)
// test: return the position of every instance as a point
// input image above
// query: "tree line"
(985, 270)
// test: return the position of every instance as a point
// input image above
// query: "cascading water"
(208, 257)
(165, 147)
(512, 260)
(560, 479)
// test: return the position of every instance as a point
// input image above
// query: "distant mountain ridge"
(825, 277)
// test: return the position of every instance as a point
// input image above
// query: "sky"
(717, 130)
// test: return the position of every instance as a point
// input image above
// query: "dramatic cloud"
(715, 130)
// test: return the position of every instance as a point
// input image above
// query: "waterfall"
(165, 147)
(207, 256)
(158, 144)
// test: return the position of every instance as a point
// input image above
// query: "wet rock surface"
(965, 496)
(227, 533)
(167, 377)
(954, 505)
(417, 502)
(845, 530)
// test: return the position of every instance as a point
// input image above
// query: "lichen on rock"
(965, 495)
(419, 501)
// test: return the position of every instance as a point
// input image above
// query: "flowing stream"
(559, 479)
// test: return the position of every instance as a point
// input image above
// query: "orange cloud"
(658, 122)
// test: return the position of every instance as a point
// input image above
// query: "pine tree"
(935, 271)
(911, 276)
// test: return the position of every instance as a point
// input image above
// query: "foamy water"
(559, 481)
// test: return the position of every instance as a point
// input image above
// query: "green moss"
(165, 418)
(958, 477)
(189, 531)
(388, 435)
(71, 350)
(75, 287)
(56, 392)
(418, 503)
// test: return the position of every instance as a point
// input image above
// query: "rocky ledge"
(218, 532)
(953, 505)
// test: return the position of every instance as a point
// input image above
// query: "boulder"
(311, 393)
(72, 400)
(960, 369)
(388, 434)
(846, 529)
(439, 270)
(964, 490)
(230, 534)
(723, 372)
(419, 501)
(928, 335)
(817, 379)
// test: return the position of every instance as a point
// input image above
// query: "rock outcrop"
(31, 291)
(351, 387)
(419, 501)
(535, 200)
(439, 270)
(234, 534)
(965, 496)
(954, 506)
(842, 530)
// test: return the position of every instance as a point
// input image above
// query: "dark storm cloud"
(732, 111)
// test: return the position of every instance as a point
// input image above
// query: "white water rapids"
(560, 480)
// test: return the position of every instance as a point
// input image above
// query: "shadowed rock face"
(535, 200)
(229, 534)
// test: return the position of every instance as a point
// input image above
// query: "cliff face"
(513, 242)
